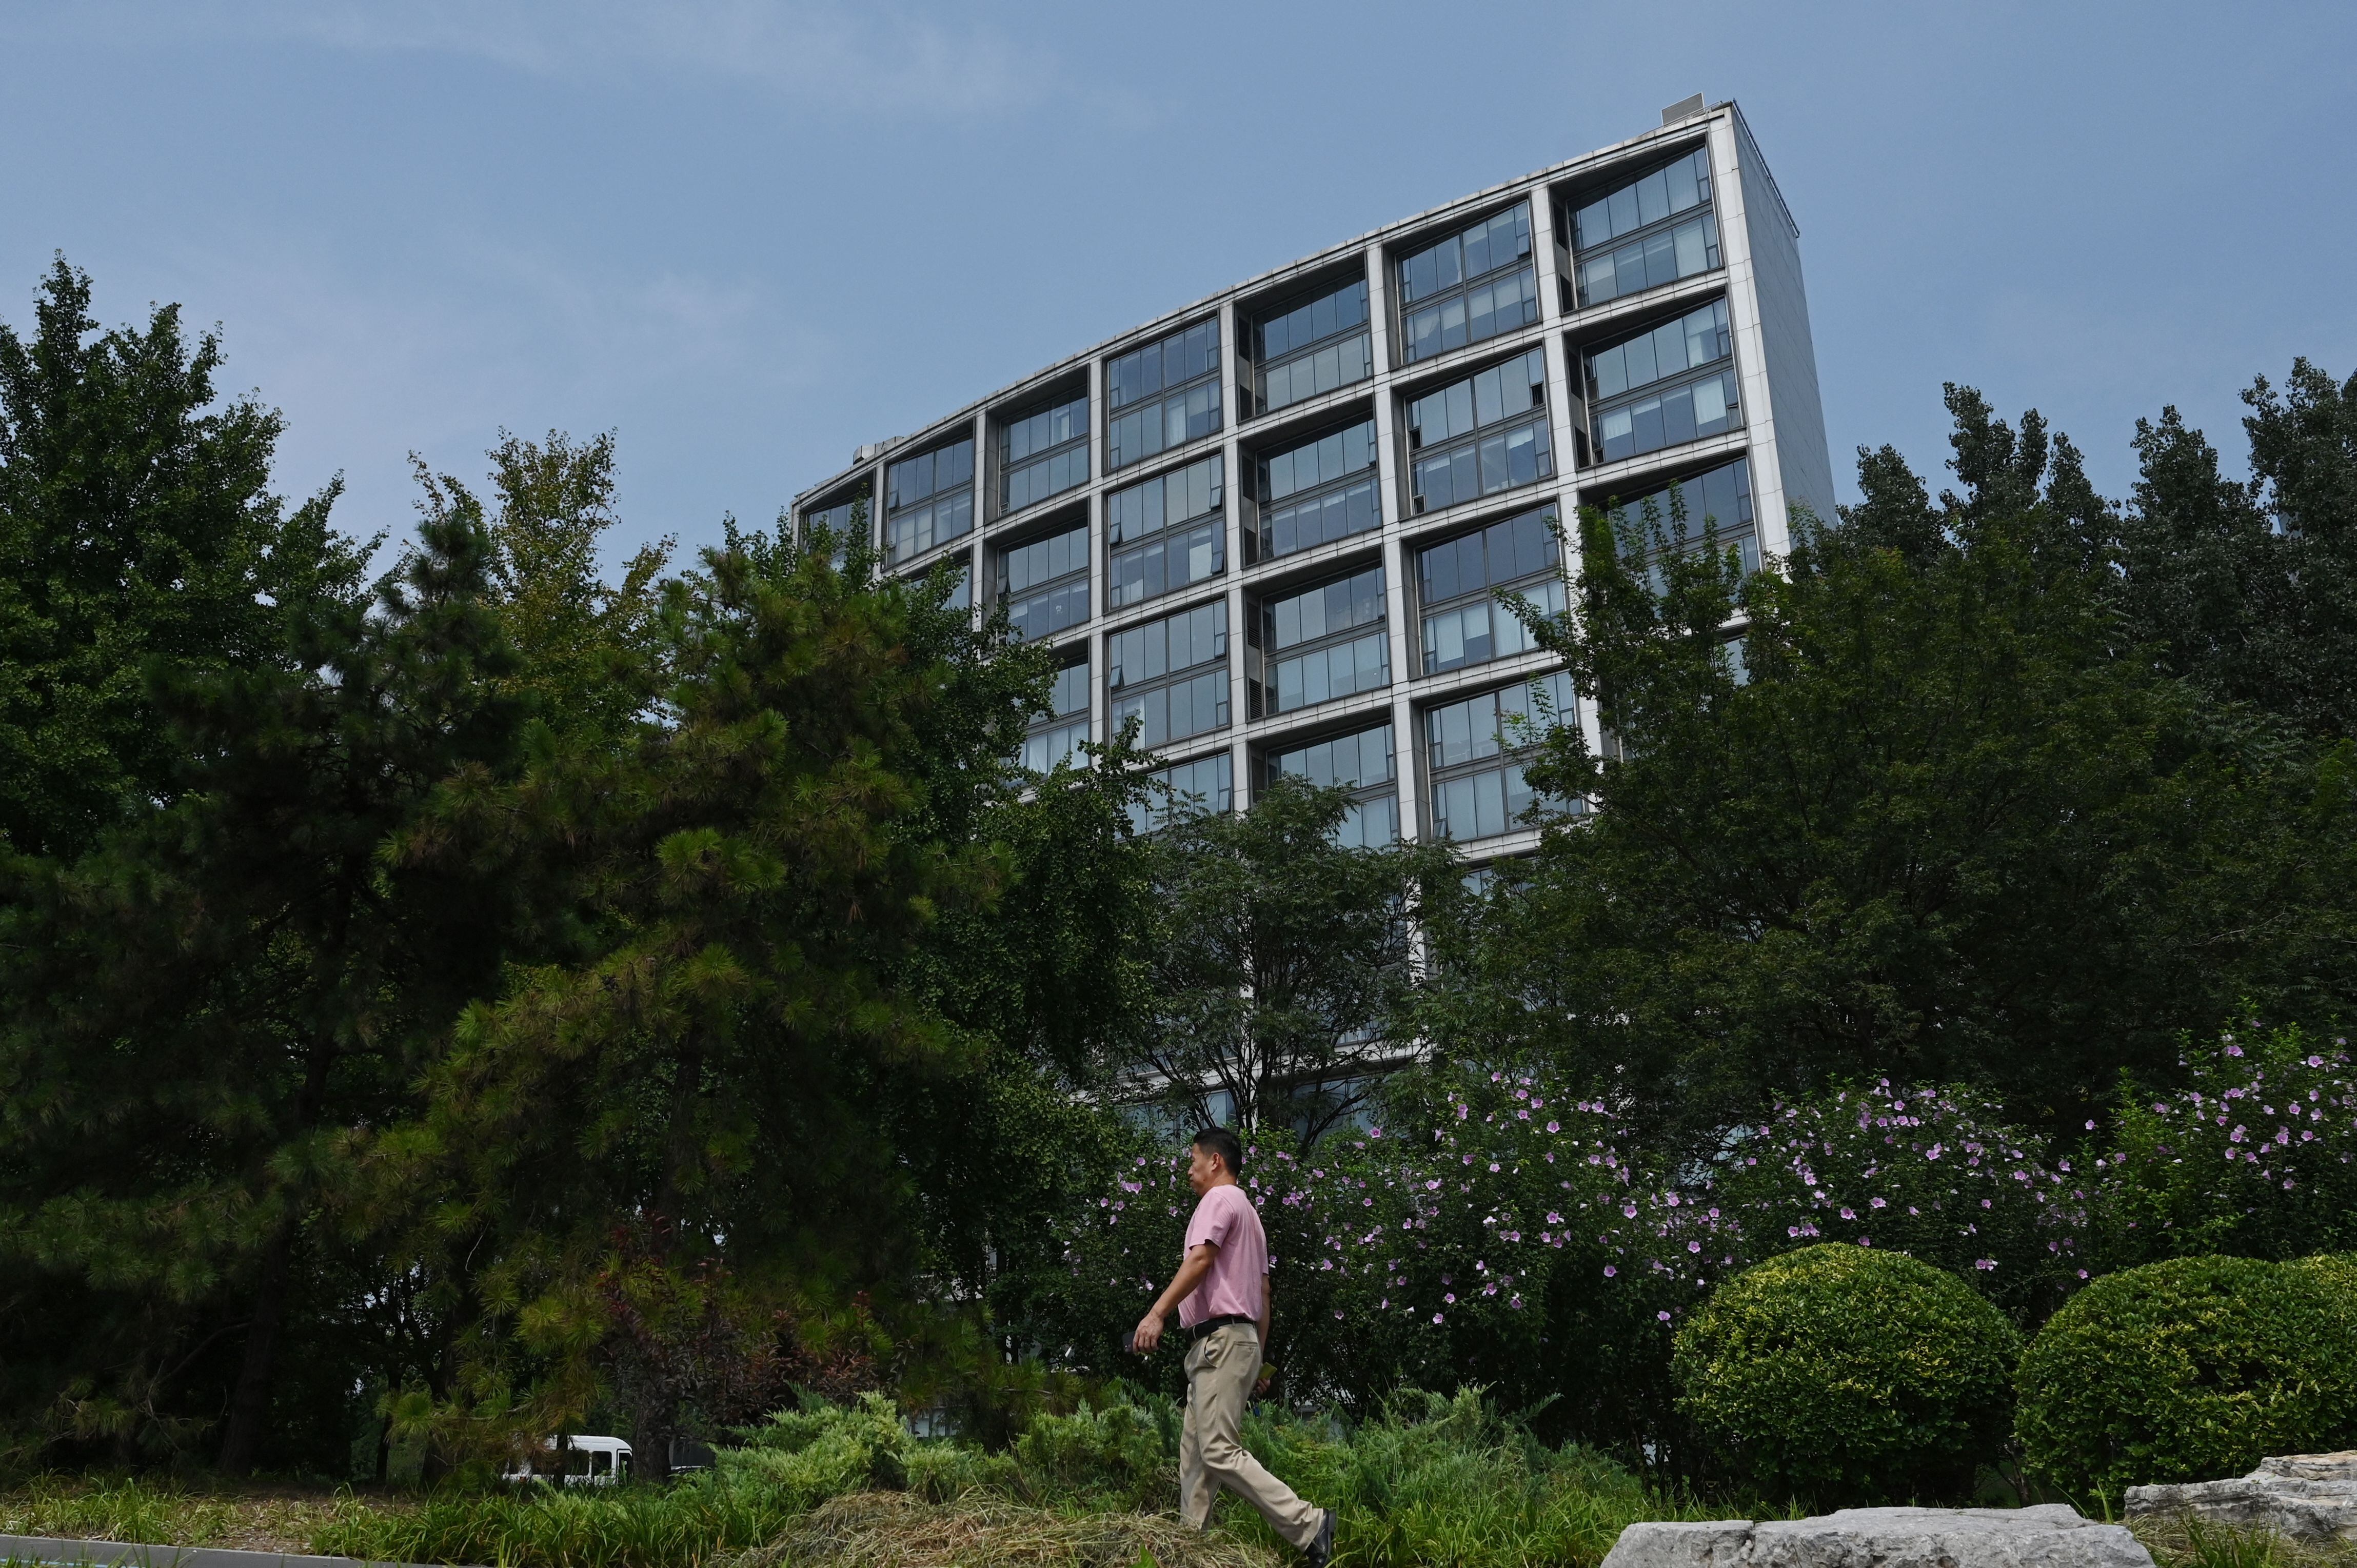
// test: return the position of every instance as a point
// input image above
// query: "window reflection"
(1472, 285)
(1485, 434)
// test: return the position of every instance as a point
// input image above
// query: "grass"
(256, 1519)
(1434, 1482)
(2188, 1542)
(894, 1530)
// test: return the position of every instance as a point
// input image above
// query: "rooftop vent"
(1683, 108)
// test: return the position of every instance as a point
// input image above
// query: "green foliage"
(1846, 1374)
(695, 1522)
(1284, 961)
(2253, 1153)
(1936, 1172)
(1429, 1479)
(2244, 587)
(1434, 1479)
(2190, 1370)
(1935, 827)
(138, 537)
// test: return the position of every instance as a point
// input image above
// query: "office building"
(1271, 527)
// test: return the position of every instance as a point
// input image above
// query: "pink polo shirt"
(1236, 1286)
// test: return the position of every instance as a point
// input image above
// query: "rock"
(2049, 1536)
(2307, 1497)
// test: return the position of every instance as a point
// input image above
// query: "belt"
(1203, 1330)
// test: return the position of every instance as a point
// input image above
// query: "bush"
(1844, 1373)
(2190, 1370)
(2255, 1154)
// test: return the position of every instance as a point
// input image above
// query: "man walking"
(1223, 1297)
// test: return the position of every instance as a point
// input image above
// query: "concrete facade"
(1778, 429)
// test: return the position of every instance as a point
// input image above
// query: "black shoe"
(1321, 1550)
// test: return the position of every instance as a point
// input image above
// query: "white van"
(587, 1461)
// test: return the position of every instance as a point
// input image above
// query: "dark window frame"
(1546, 585)
(1266, 658)
(1044, 735)
(1049, 590)
(1263, 364)
(1347, 485)
(1003, 427)
(898, 512)
(1409, 305)
(1120, 409)
(1451, 783)
(1473, 442)
(1663, 387)
(1122, 687)
(1364, 793)
(1147, 540)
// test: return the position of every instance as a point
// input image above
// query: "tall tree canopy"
(1933, 814)
(137, 526)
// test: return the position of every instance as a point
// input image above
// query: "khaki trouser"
(1221, 1368)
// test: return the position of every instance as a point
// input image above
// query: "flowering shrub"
(1498, 1229)
(1931, 1172)
(2255, 1155)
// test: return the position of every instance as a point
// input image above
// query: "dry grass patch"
(894, 1529)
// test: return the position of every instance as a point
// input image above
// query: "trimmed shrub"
(1846, 1374)
(2190, 1370)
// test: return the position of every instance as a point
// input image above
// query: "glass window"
(1654, 230)
(1321, 490)
(1206, 784)
(1457, 291)
(1043, 453)
(961, 583)
(928, 500)
(843, 521)
(1045, 583)
(1722, 498)
(1678, 187)
(1674, 383)
(1057, 738)
(1361, 763)
(1650, 262)
(1474, 751)
(1170, 674)
(1312, 348)
(1457, 584)
(1319, 644)
(1163, 395)
(1485, 434)
(1168, 533)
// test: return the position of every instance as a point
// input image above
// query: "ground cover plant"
(1426, 1480)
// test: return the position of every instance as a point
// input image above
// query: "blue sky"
(748, 236)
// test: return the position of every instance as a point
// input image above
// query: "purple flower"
(1609, 1270)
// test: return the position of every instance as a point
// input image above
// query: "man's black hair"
(1220, 1141)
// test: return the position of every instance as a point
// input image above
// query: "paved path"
(41, 1549)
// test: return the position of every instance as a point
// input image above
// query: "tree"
(136, 525)
(225, 988)
(2249, 589)
(718, 1100)
(586, 653)
(1285, 962)
(1936, 823)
